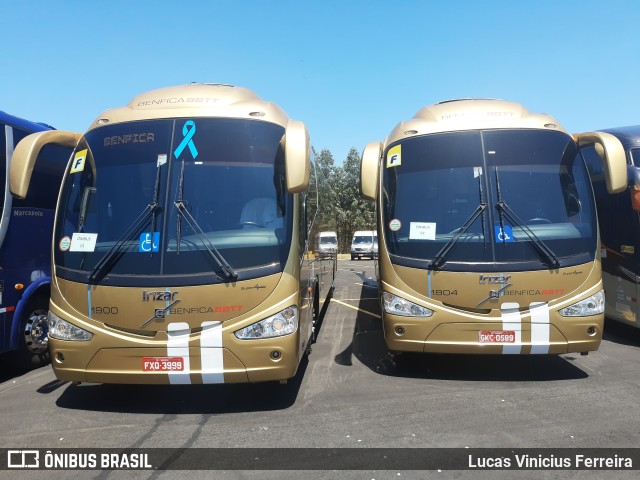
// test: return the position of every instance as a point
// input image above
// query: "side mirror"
(613, 156)
(296, 154)
(369, 170)
(26, 153)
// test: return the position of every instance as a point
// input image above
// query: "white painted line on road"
(369, 286)
(356, 308)
(358, 299)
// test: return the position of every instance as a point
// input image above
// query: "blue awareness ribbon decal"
(187, 140)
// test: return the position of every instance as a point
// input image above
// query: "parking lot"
(351, 393)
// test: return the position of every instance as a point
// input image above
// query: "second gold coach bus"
(181, 238)
(488, 239)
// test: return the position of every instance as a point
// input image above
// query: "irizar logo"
(494, 279)
(159, 314)
(159, 296)
(501, 280)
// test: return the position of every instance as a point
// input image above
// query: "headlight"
(282, 323)
(63, 330)
(594, 305)
(399, 306)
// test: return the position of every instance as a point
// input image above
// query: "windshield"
(329, 240)
(359, 240)
(478, 200)
(152, 202)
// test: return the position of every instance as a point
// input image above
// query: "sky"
(350, 70)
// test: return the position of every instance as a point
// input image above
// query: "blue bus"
(25, 247)
(619, 218)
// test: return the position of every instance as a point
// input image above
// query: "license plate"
(162, 364)
(497, 336)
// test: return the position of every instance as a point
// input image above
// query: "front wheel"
(33, 350)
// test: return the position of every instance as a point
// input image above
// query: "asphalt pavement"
(349, 393)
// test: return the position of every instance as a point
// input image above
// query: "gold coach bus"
(488, 238)
(180, 251)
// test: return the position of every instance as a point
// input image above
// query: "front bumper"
(432, 335)
(238, 362)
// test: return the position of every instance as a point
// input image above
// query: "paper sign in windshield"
(422, 231)
(83, 242)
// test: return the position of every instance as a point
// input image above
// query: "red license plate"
(162, 364)
(497, 336)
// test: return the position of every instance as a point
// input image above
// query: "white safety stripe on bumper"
(211, 352)
(511, 320)
(539, 328)
(178, 346)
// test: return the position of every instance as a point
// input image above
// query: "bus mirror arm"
(26, 153)
(369, 170)
(613, 156)
(296, 154)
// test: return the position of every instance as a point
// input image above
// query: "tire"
(33, 346)
(352, 257)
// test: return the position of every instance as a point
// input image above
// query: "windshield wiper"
(438, 259)
(229, 272)
(507, 212)
(114, 254)
(84, 205)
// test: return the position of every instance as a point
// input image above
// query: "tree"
(353, 211)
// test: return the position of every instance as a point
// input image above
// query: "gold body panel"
(200, 327)
(120, 342)
(459, 317)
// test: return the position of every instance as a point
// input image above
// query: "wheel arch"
(40, 287)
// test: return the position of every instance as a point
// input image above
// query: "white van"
(327, 244)
(364, 244)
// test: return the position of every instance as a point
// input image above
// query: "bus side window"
(3, 161)
(571, 197)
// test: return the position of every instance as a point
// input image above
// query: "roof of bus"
(628, 136)
(195, 99)
(471, 114)
(23, 124)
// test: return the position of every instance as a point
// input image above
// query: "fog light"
(59, 357)
(275, 355)
(591, 331)
(399, 330)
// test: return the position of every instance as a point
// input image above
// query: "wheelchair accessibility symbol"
(147, 245)
(504, 234)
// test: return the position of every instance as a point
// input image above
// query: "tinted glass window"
(489, 197)
(212, 185)
(3, 162)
